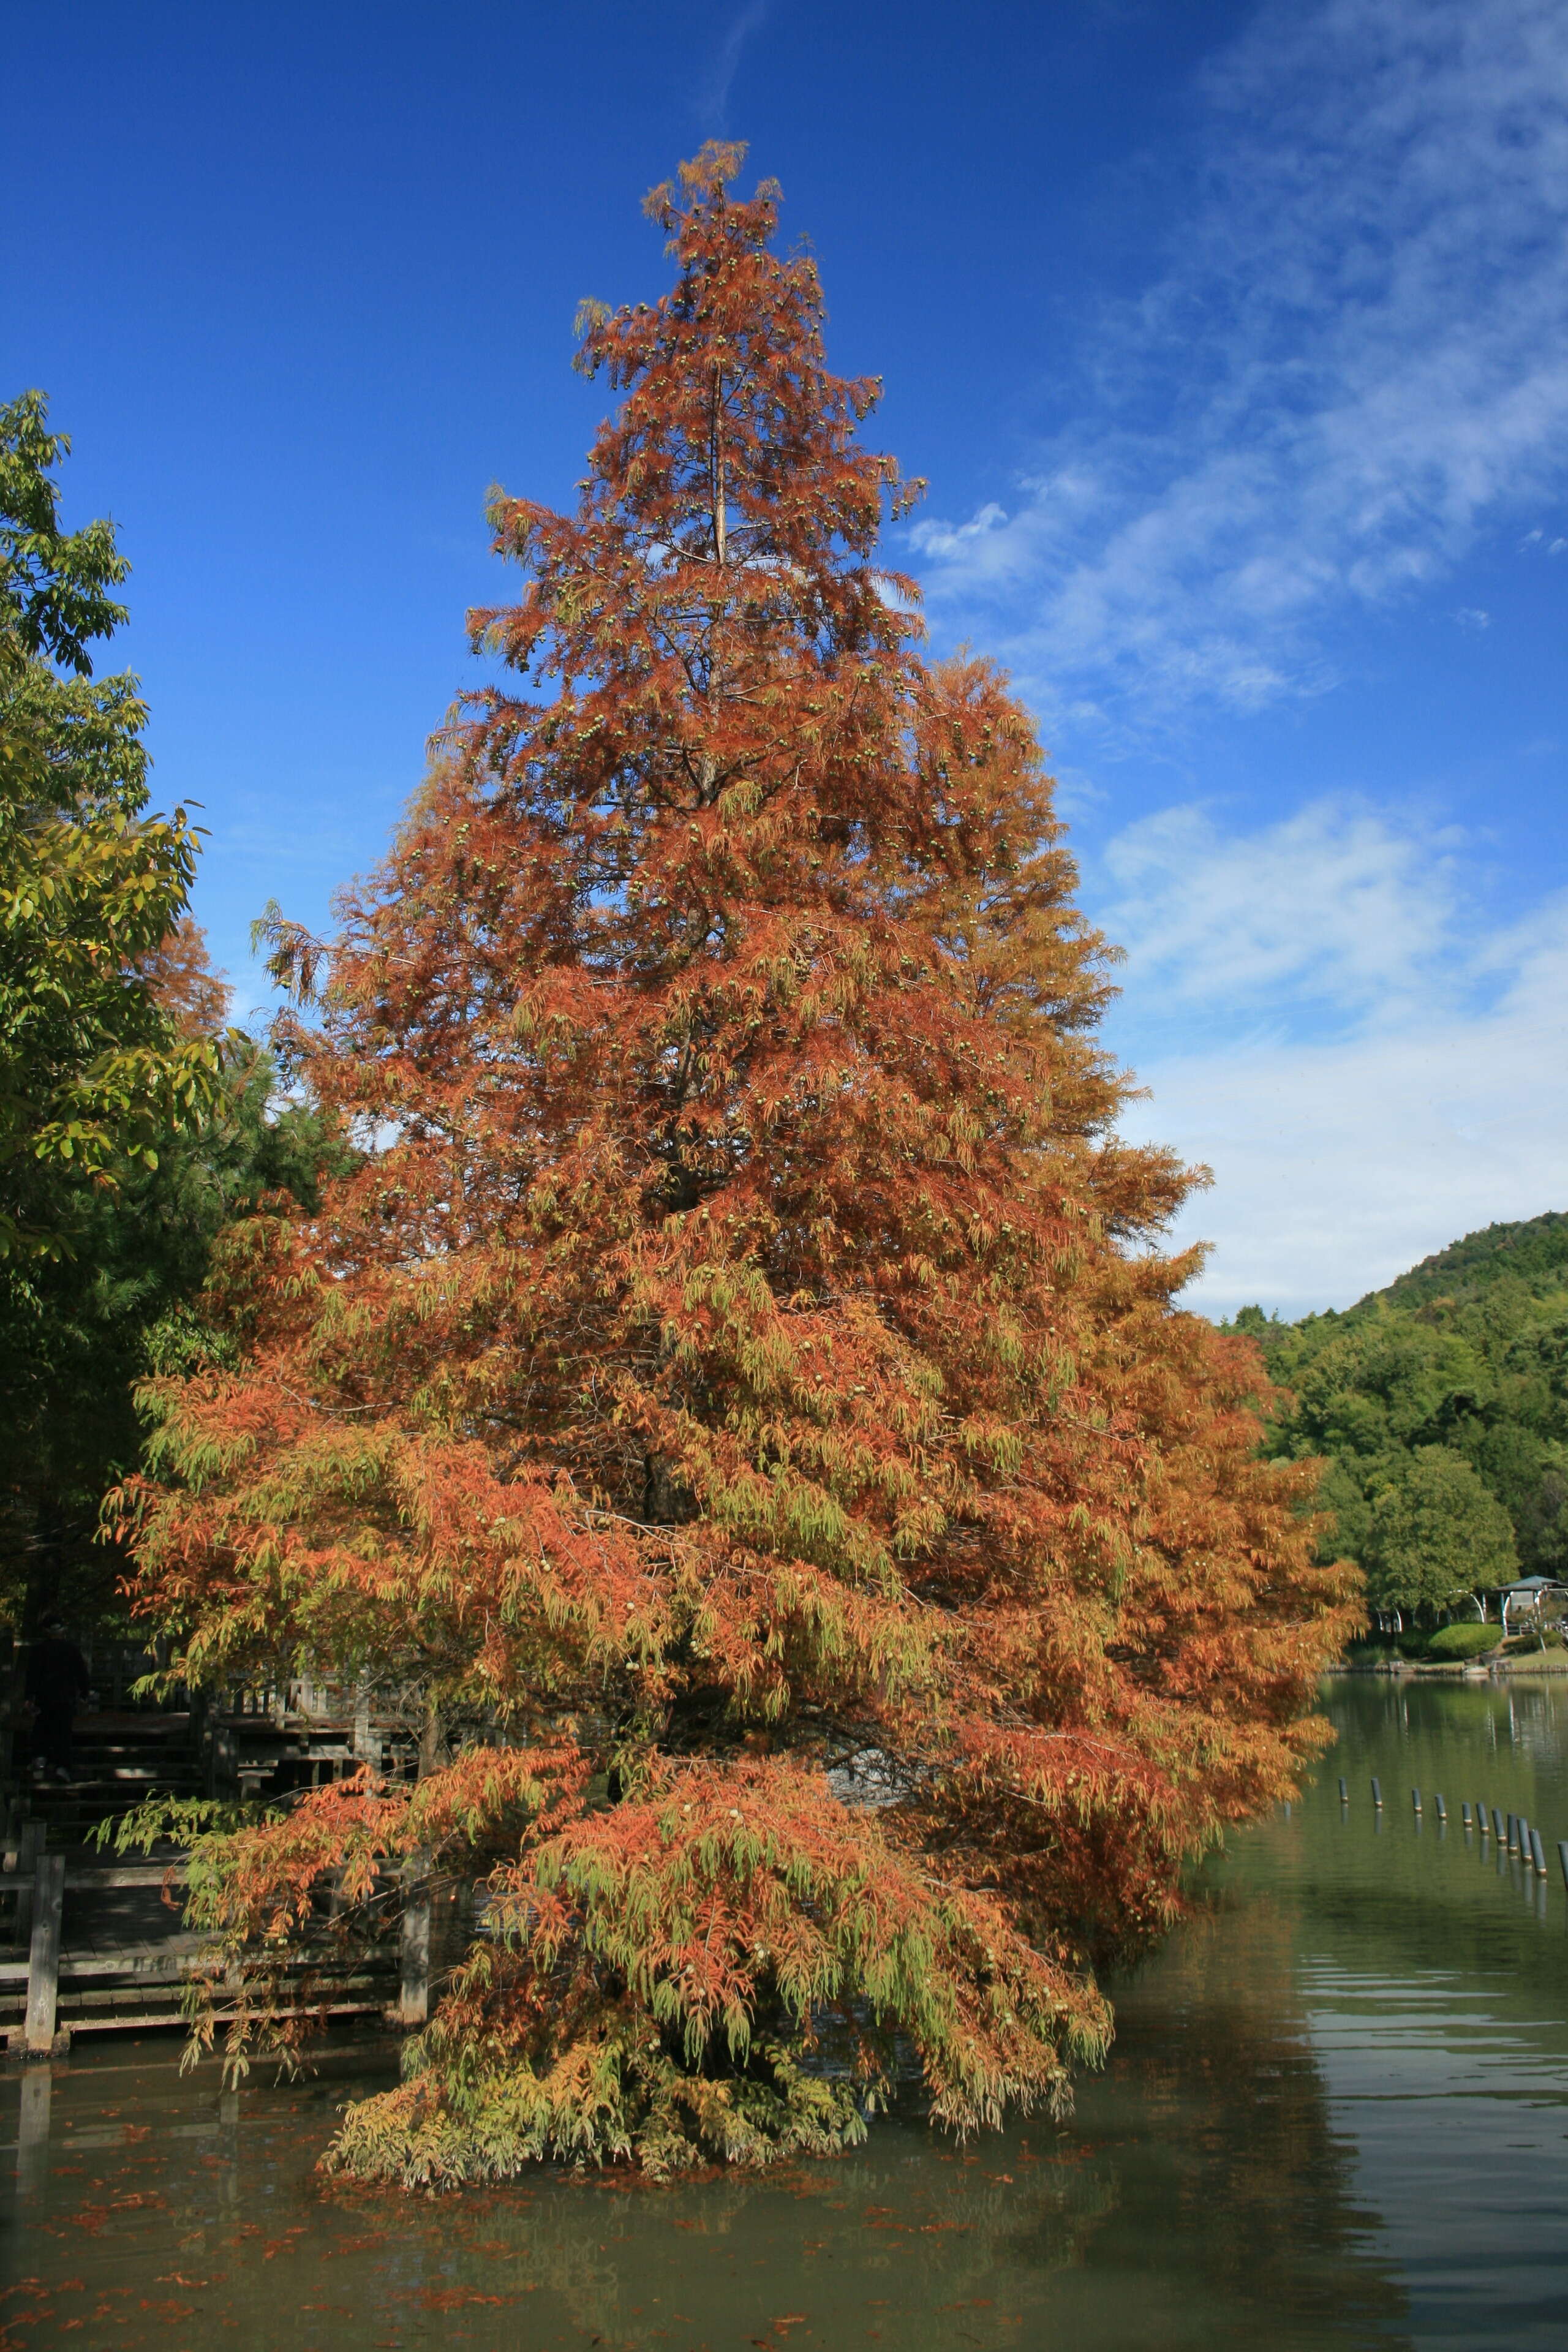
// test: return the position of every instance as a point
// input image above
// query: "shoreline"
(1545, 1662)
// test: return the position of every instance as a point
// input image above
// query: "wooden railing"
(41, 1882)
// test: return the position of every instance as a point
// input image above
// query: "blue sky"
(1232, 339)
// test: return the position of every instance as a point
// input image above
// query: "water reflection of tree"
(1199, 2197)
(900, 2243)
(1234, 2145)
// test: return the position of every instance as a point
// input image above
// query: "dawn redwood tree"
(739, 1389)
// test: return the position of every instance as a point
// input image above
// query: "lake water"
(1335, 2115)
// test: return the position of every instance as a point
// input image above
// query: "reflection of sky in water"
(1432, 1974)
(1334, 2118)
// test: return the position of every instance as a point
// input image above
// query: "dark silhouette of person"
(57, 1679)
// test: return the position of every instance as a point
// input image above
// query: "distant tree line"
(1440, 1405)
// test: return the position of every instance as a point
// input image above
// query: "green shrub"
(1463, 1641)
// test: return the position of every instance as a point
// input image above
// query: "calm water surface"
(1335, 2115)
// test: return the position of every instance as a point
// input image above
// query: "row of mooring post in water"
(1512, 1831)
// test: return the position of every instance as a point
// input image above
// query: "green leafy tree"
(93, 1072)
(1469, 1352)
(131, 1127)
(1434, 1533)
(119, 1301)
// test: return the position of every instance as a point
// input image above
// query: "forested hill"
(1441, 1404)
(1534, 1254)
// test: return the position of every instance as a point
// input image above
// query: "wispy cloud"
(715, 100)
(1336, 1165)
(1338, 910)
(1323, 1014)
(1353, 359)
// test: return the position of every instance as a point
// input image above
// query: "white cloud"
(1433, 1098)
(1472, 616)
(720, 81)
(1355, 359)
(1336, 1166)
(1336, 908)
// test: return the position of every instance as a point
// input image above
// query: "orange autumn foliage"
(740, 1382)
(180, 978)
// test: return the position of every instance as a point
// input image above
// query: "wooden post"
(33, 2131)
(29, 1846)
(11, 1686)
(414, 1993)
(44, 1955)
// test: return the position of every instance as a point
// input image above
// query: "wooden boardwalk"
(91, 1947)
(91, 1944)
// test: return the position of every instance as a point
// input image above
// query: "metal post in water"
(1465, 1811)
(1442, 1808)
(1377, 1792)
(1522, 1836)
(1497, 1826)
(1344, 1793)
(1562, 1858)
(1482, 1823)
(1538, 1851)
